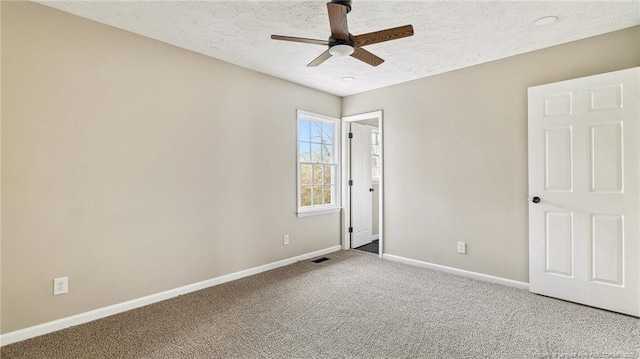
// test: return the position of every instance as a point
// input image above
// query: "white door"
(584, 194)
(361, 199)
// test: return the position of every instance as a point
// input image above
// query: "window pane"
(317, 195)
(327, 133)
(326, 153)
(316, 132)
(317, 174)
(305, 196)
(327, 195)
(304, 129)
(328, 175)
(375, 167)
(316, 152)
(305, 152)
(305, 174)
(317, 162)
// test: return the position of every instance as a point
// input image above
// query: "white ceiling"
(448, 34)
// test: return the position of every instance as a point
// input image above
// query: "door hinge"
(350, 229)
(350, 182)
(350, 134)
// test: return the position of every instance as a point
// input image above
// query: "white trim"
(346, 205)
(346, 201)
(318, 212)
(381, 185)
(316, 116)
(460, 272)
(375, 236)
(364, 116)
(320, 209)
(45, 328)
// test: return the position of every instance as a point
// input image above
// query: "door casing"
(346, 165)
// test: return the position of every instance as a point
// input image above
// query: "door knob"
(536, 200)
(370, 189)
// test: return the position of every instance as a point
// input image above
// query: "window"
(317, 162)
(375, 155)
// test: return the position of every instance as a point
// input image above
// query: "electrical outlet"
(285, 239)
(462, 248)
(60, 285)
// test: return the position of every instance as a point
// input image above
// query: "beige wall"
(456, 153)
(134, 167)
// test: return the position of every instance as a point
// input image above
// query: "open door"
(360, 184)
(584, 182)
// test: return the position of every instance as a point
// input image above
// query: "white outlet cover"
(60, 285)
(462, 247)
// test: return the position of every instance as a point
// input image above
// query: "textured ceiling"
(448, 34)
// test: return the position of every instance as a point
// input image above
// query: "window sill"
(318, 212)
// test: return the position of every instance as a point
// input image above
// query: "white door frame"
(346, 155)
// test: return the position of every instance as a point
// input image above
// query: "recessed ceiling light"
(348, 78)
(545, 21)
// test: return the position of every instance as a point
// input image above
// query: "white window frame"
(336, 205)
(376, 131)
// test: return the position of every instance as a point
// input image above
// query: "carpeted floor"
(352, 306)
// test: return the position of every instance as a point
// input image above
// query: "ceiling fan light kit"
(341, 50)
(342, 43)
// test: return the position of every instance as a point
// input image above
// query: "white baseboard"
(375, 236)
(45, 328)
(456, 271)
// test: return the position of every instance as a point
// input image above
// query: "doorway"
(362, 194)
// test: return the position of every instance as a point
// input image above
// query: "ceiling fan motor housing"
(345, 3)
(333, 41)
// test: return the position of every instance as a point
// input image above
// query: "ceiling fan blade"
(338, 21)
(365, 56)
(383, 35)
(320, 59)
(300, 39)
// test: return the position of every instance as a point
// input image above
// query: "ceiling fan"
(342, 43)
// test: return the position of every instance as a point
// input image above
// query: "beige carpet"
(352, 306)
